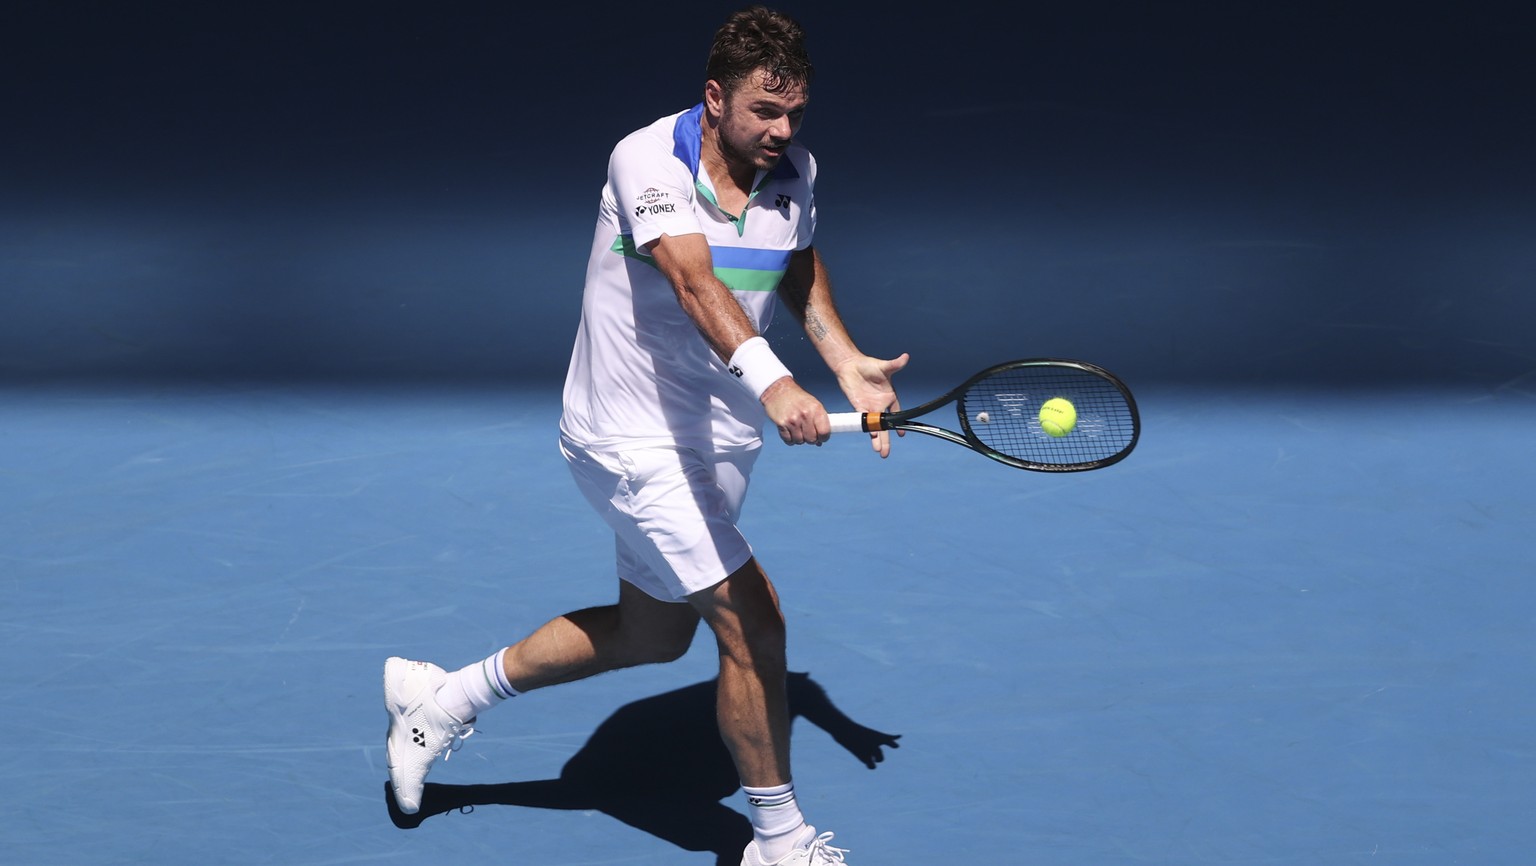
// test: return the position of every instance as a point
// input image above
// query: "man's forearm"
(807, 291)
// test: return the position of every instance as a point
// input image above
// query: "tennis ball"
(1058, 416)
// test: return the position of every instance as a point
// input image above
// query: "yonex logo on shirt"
(650, 202)
(782, 201)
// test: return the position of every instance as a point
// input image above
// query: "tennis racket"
(999, 414)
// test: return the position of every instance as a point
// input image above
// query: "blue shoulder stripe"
(687, 138)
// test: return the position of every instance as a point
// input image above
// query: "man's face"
(756, 125)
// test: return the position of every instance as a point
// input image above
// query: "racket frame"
(872, 422)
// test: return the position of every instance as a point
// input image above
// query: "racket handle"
(854, 422)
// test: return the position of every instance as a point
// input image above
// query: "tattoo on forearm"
(815, 326)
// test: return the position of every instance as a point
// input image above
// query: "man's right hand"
(800, 417)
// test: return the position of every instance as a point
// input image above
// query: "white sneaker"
(419, 729)
(812, 850)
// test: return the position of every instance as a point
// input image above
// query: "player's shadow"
(658, 765)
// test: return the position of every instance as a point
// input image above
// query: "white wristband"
(756, 366)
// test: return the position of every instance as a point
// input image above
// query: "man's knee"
(669, 646)
(743, 612)
(650, 631)
(657, 641)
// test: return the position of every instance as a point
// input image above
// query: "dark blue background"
(1232, 193)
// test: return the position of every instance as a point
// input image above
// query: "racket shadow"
(657, 765)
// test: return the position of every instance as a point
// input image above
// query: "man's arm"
(686, 263)
(807, 291)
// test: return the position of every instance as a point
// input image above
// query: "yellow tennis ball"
(1058, 416)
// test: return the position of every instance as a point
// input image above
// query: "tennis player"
(707, 217)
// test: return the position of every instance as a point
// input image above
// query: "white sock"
(475, 688)
(776, 819)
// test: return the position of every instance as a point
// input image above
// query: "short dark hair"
(759, 38)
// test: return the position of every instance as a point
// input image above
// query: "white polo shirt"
(641, 374)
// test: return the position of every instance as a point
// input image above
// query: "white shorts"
(673, 512)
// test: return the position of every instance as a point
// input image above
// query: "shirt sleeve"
(652, 189)
(806, 230)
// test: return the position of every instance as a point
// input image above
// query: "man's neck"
(727, 178)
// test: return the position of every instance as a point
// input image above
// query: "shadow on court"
(658, 765)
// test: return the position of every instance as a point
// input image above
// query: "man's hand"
(801, 418)
(866, 382)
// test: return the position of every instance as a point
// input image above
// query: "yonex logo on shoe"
(419, 737)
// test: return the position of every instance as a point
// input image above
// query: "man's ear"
(714, 98)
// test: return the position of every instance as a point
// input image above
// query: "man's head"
(755, 39)
(757, 87)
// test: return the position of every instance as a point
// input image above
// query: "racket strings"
(1002, 411)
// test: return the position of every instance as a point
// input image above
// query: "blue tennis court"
(1291, 628)
(287, 292)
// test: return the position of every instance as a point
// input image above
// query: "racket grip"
(850, 422)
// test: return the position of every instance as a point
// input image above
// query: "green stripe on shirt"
(737, 279)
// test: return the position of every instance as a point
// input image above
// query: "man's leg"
(753, 709)
(427, 719)
(743, 613)
(638, 630)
